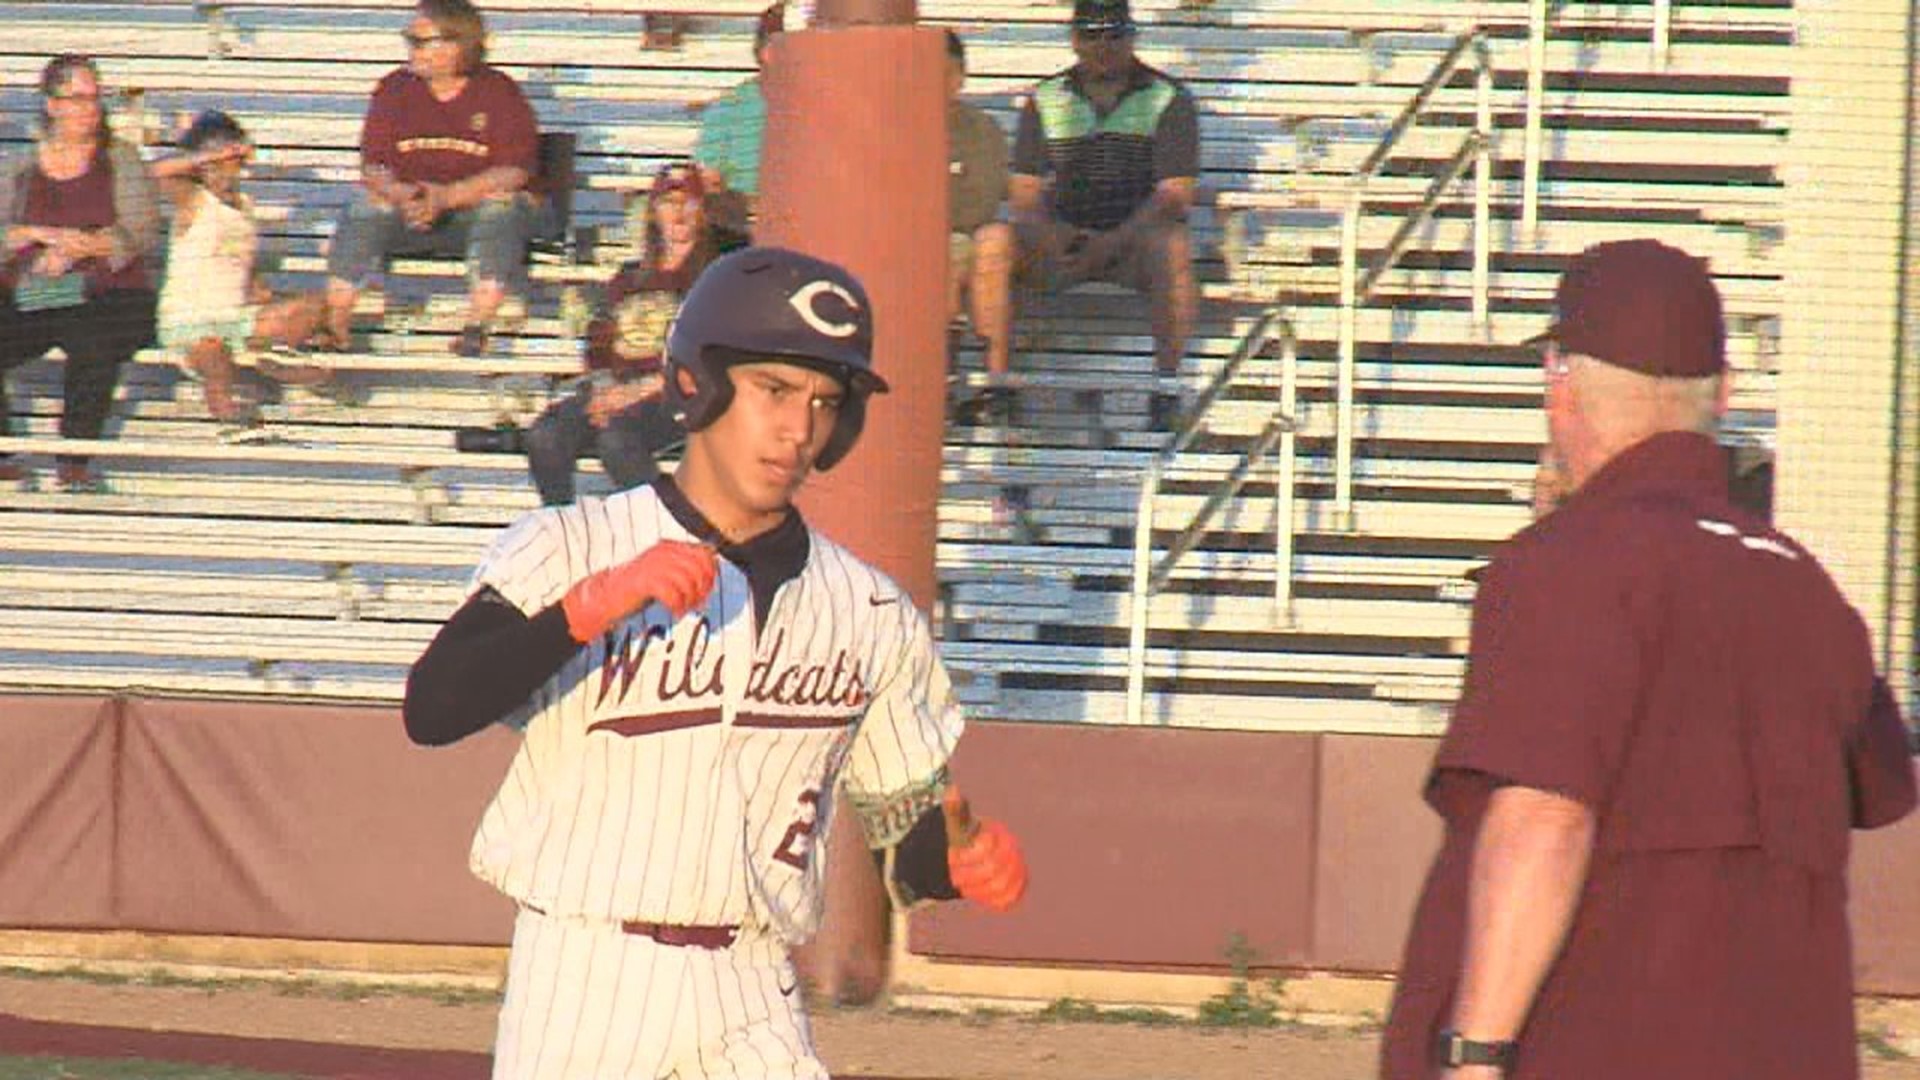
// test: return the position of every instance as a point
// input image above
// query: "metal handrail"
(1535, 132)
(1662, 33)
(1276, 437)
(1355, 290)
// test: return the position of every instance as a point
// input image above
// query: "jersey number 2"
(797, 845)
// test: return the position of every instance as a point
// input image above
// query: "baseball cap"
(1102, 17)
(1640, 305)
(677, 176)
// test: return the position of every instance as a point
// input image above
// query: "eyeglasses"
(76, 97)
(1558, 364)
(421, 41)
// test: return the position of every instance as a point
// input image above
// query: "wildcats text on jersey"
(682, 673)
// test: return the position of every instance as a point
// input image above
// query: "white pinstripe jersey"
(679, 773)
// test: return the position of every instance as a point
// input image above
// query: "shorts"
(959, 249)
(234, 328)
(1043, 261)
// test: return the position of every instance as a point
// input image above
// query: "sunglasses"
(421, 41)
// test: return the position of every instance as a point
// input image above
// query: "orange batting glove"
(983, 858)
(674, 573)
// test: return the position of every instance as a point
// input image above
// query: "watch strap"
(1453, 1050)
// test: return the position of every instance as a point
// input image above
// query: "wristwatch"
(1453, 1050)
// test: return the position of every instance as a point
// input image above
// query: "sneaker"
(1165, 411)
(992, 406)
(14, 473)
(472, 341)
(336, 391)
(79, 478)
(246, 434)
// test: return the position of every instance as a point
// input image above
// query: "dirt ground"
(870, 1042)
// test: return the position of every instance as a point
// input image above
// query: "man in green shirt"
(728, 147)
(1104, 166)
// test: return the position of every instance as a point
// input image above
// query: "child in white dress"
(212, 305)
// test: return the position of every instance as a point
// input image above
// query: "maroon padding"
(1885, 908)
(56, 811)
(1145, 847)
(303, 821)
(1375, 843)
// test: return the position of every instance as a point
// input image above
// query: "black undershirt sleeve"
(920, 861)
(484, 663)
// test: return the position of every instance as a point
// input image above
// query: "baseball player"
(694, 669)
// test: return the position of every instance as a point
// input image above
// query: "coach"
(1670, 720)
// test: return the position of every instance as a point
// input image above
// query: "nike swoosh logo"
(881, 601)
(789, 982)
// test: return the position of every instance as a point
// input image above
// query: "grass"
(1075, 1011)
(304, 987)
(1878, 1044)
(53, 1068)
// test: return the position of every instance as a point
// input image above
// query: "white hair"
(1624, 406)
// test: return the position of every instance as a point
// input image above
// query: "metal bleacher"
(317, 566)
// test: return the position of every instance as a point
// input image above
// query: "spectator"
(980, 246)
(1104, 166)
(81, 221)
(212, 305)
(447, 154)
(619, 409)
(728, 148)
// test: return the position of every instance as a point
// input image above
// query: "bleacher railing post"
(1140, 600)
(1662, 33)
(1483, 190)
(1536, 103)
(1343, 375)
(1283, 480)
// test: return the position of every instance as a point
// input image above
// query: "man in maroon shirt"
(1670, 721)
(447, 153)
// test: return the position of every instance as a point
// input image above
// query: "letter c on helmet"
(804, 302)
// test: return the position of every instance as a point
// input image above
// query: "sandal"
(328, 341)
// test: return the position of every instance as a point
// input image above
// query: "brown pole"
(854, 169)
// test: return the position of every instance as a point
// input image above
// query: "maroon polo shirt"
(423, 139)
(1696, 679)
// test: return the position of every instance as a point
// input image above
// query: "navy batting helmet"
(768, 303)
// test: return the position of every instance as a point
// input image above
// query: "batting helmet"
(768, 303)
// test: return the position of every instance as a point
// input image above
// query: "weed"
(1879, 1045)
(1242, 1003)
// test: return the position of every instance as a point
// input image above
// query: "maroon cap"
(677, 176)
(1641, 305)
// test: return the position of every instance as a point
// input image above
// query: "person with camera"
(619, 410)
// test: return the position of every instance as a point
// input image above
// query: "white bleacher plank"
(256, 638)
(144, 534)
